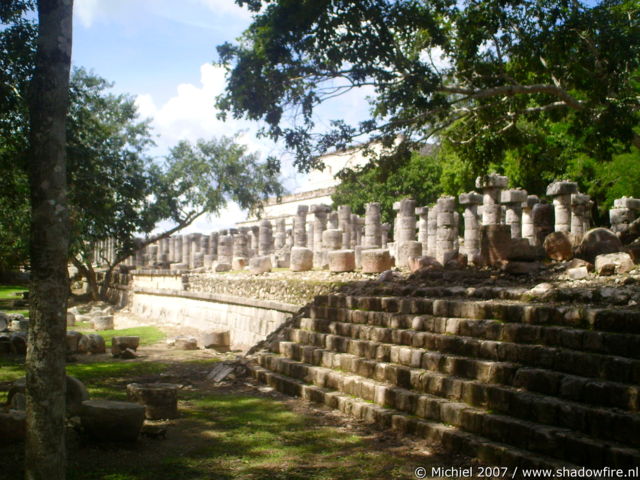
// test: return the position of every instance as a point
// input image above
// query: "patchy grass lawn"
(233, 431)
(11, 291)
(148, 335)
(9, 295)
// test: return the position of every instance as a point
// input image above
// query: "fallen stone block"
(5, 344)
(112, 421)
(521, 268)
(19, 343)
(218, 339)
(160, 400)
(376, 260)
(238, 263)
(258, 265)
(12, 426)
(301, 259)
(341, 261)
(120, 344)
(578, 273)
(72, 340)
(424, 263)
(96, 344)
(186, 343)
(103, 322)
(221, 267)
(75, 393)
(128, 354)
(598, 241)
(558, 246)
(612, 263)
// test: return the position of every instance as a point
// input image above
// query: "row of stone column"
(428, 230)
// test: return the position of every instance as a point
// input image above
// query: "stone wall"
(248, 321)
(249, 308)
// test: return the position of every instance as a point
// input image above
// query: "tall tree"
(470, 71)
(48, 103)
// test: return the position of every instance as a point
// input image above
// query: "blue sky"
(162, 53)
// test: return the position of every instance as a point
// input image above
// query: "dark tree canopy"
(507, 64)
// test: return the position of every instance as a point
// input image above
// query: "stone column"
(172, 249)
(432, 230)
(265, 238)
(186, 250)
(213, 244)
(320, 213)
(384, 234)
(561, 193)
(372, 226)
(447, 231)
(405, 233)
(280, 236)
(472, 225)
(204, 244)
(310, 236)
(357, 225)
(225, 248)
(344, 224)
(423, 228)
(332, 220)
(300, 227)
(513, 199)
(625, 210)
(254, 239)
(241, 245)
(579, 212)
(542, 215)
(491, 186)
(153, 255)
(528, 231)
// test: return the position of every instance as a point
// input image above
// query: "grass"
(148, 335)
(10, 291)
(223, 435)
(8, 295)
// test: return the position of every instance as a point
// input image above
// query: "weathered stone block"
(562, 188)
(610, 263)
(160, 400)
(114, 421)
(341, 261)
(301, 259)
(492, 180)
(513, 196)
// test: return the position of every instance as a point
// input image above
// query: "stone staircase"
(482, 372)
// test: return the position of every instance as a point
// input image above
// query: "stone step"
(570, 374)
(601, 423)
(616, 320)
(446, 436)
(624, 345)
(541, 439)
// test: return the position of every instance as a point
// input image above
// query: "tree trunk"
(106, 281)
(89, 273)
(48, 103)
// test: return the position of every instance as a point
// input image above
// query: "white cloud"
(198, 13)
(88, 11)
(191, 113)
(226, 6)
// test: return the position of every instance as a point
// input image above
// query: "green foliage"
(512, 72)
(115, 190)
(418, 178)
(109, 180)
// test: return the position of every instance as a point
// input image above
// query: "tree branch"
(513, 90)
